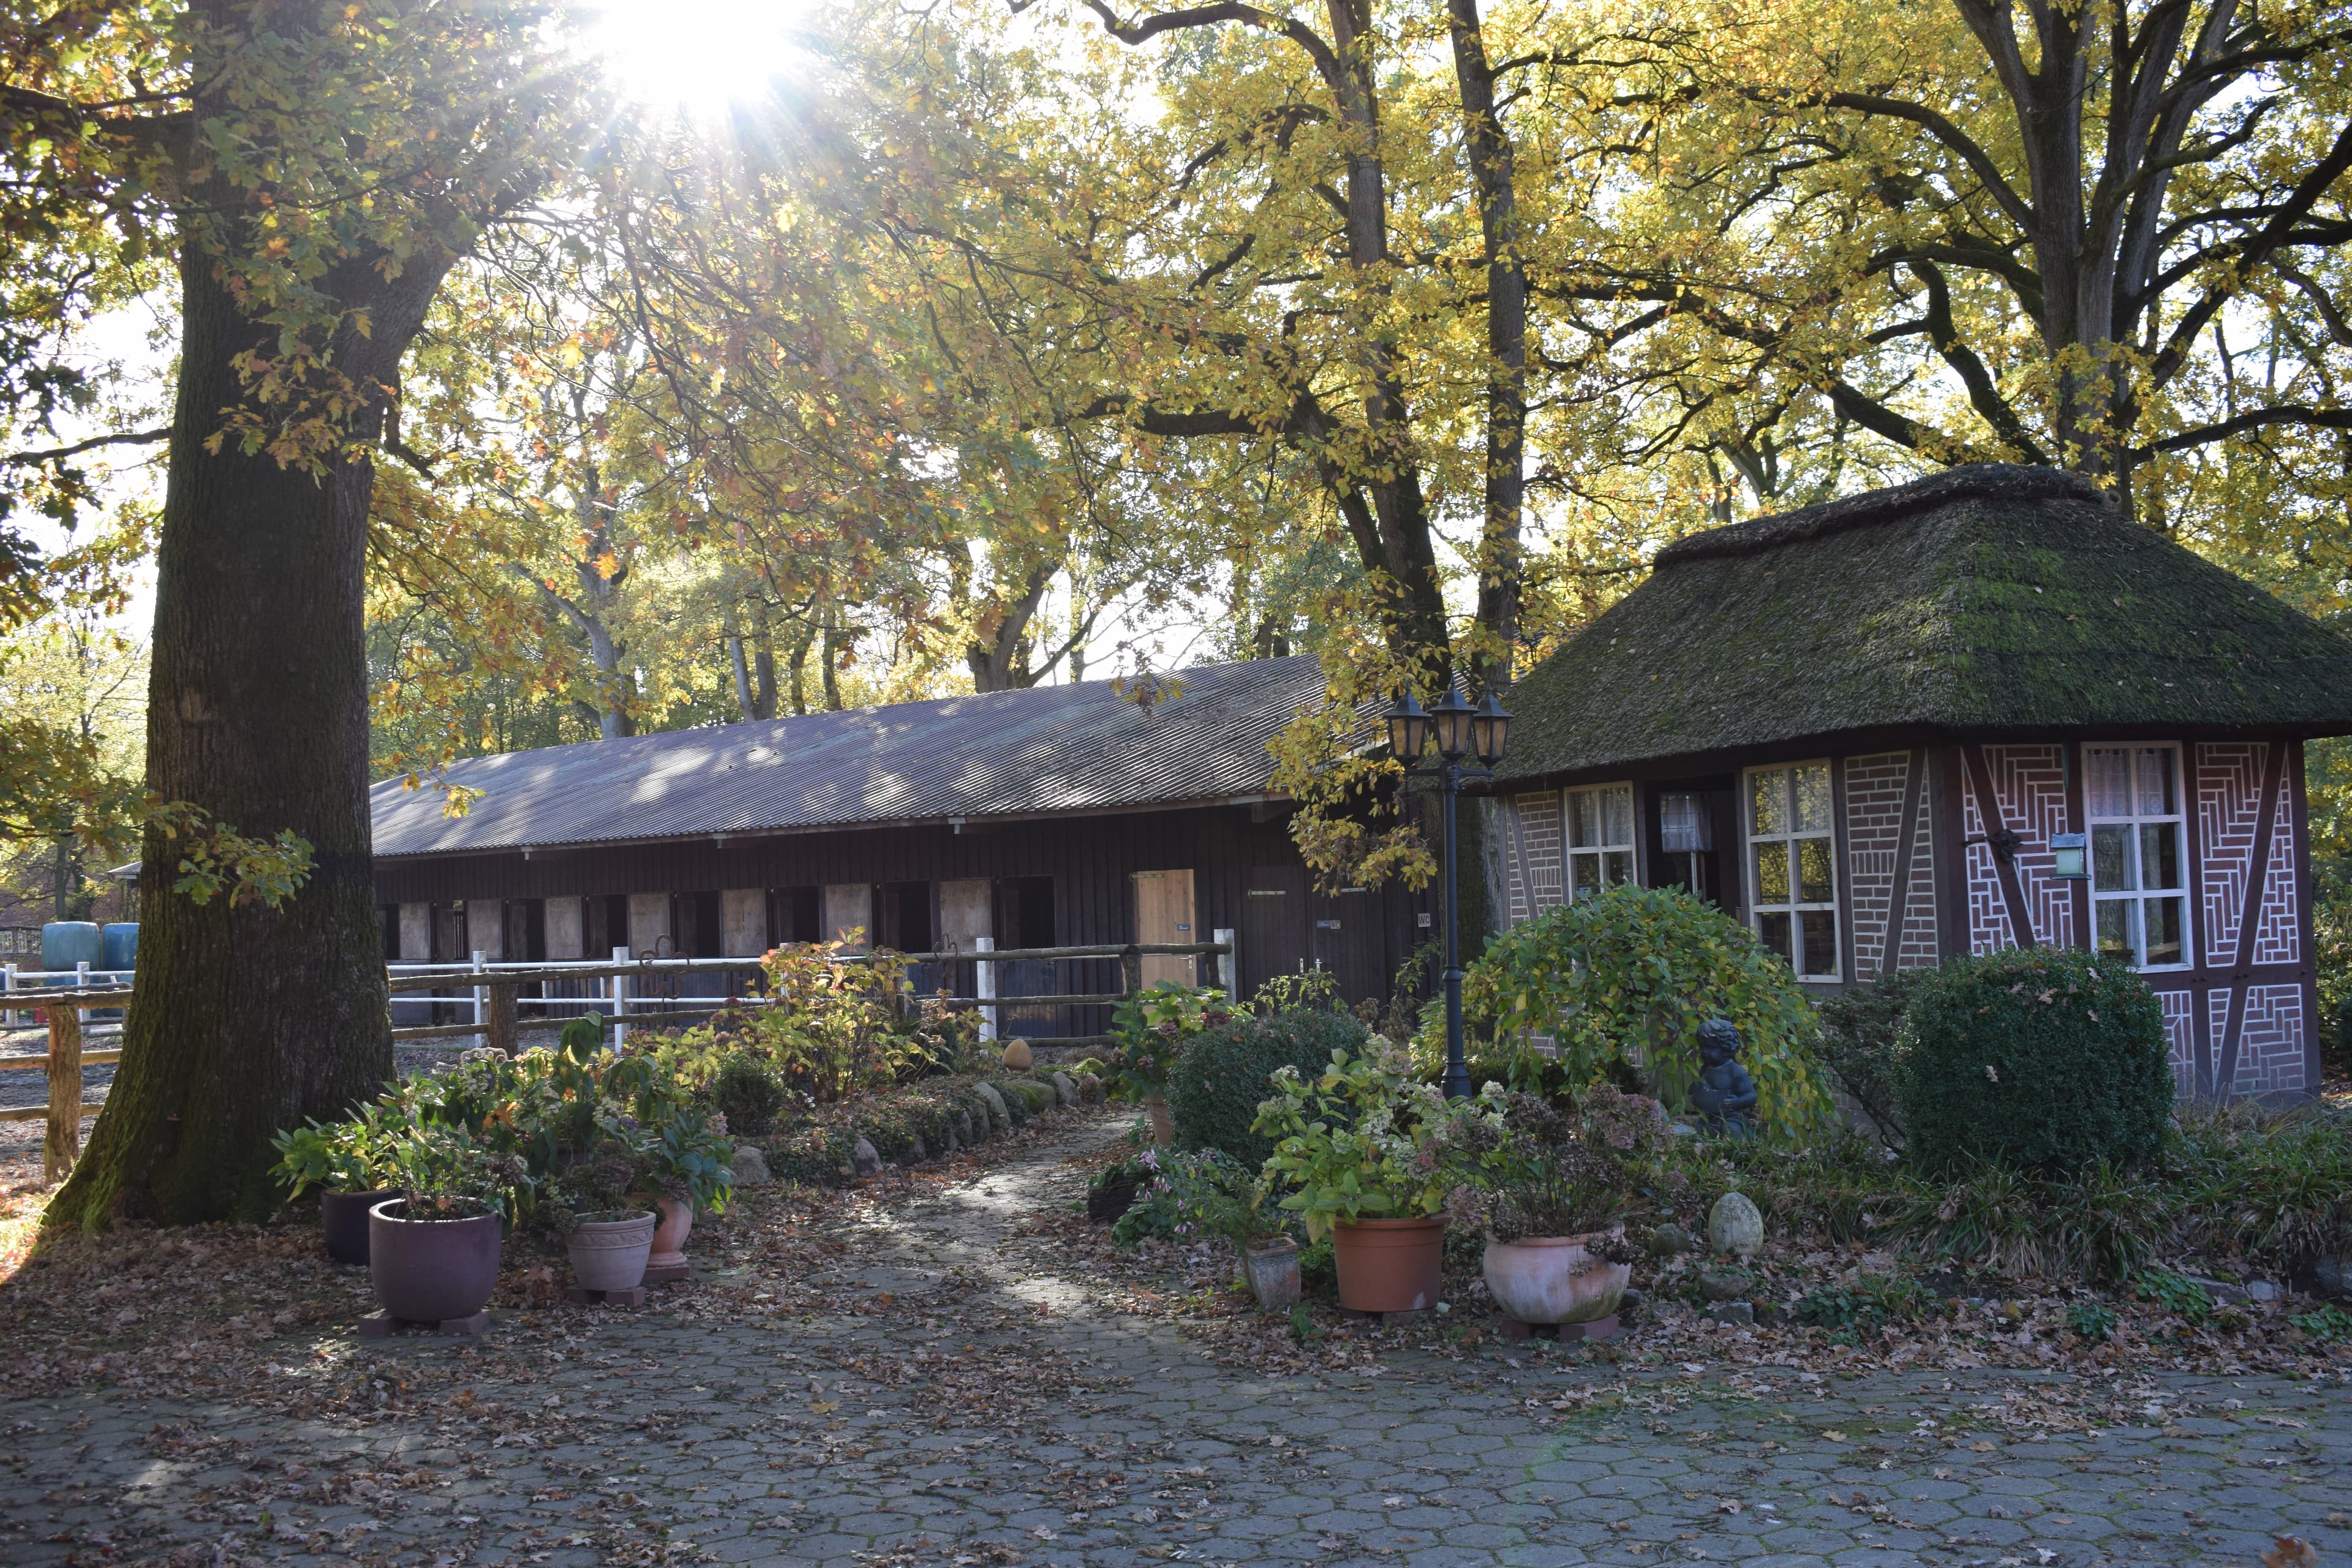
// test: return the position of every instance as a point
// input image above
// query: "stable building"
(1099, 812)
(1977, 711)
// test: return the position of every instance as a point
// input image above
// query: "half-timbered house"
(1884, 731)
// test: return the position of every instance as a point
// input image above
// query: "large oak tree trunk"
(249, 1018)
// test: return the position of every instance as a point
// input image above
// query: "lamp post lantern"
(1460, 730)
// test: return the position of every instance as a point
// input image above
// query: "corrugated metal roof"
(1050, 750)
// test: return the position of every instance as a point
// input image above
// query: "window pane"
(1617, 815)
(2106, 784)
(2155, 797)
(2119, 929)
(1813, 883)
(1817, 931)
(2111, 859)
(1768, 795)
(1617, 865)
(1812, 799)
(2159, 855)
(1587, 871)
(1774, 930)
(1771, 873)
(1583, 820)
(2164, 930)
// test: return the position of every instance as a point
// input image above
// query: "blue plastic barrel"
(122, 945)
(65, 944)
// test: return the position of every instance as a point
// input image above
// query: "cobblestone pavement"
(1064, 1433)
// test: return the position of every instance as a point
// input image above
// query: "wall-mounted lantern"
(2066, 859)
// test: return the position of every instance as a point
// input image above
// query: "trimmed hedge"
(815, 1148)
(2042, 1058)
(1224, 1072)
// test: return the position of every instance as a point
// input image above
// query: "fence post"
(481, 996)
(620, 1000)
(64, 1143)
(502, 1016)
(1130, 970)
(8, 988)
(1229, 966)
(987, 987)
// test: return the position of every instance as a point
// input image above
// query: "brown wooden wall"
(1360, 936)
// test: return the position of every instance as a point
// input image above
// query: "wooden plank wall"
(1090, 859)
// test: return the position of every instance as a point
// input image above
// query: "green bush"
(1859, 1028)
(748, 1095)
(2039, 1058)
(1625, 979)
(1225, 1072)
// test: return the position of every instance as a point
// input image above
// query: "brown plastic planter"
(431, 1270)
(1389, 1265)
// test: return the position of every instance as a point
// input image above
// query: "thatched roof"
(1979, 601)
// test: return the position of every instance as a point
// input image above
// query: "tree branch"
(120, 438)
(1977, 160)
(1298, 33)
(2254, 419)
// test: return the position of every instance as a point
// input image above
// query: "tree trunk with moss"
(249, 1018)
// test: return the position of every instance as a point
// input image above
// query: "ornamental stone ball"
(1725, 1095)
(1018, 1057)
(1735, 1225)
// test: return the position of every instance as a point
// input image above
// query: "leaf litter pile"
(865, 1319)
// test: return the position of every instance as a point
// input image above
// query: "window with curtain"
(1599, 838)
(2139, 854)
(1792, 865)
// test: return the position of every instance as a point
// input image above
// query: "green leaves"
(1625, 979)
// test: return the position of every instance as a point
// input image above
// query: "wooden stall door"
(1274, 925)
(1163, 912)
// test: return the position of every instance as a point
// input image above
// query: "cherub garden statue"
(1725, 1096)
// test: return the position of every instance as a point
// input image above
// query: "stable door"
(1163, 913)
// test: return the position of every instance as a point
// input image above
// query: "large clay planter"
(670, 1236)
(1163, 1126)
(1553, 1279)
(431, 1270)
(343, 1218)
(1389, 1265)
(611, 1254)
(1272, 1275)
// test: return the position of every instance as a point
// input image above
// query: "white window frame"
(1608, 855)
(2139, 821)
(1797, 906)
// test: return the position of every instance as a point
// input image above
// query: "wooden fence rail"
(496, 1000)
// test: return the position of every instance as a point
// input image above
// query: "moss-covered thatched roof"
(1979, 601)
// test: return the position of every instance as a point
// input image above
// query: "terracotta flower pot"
(669, 1236)
(1163, 1126)
(430, 1270)
(1273, 1272)
(343, 1217)
(611, 1254)
(1389, 1265)
(1553, 1279)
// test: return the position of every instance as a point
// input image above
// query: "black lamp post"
(1460, 730)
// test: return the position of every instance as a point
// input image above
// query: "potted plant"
(1370, 1153)
(346, 1161)
(607, 1222)
(688, 1162)
(1549, 1187)
(433, 1251)
(1148, 1030)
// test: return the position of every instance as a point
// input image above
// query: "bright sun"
(699, 56)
